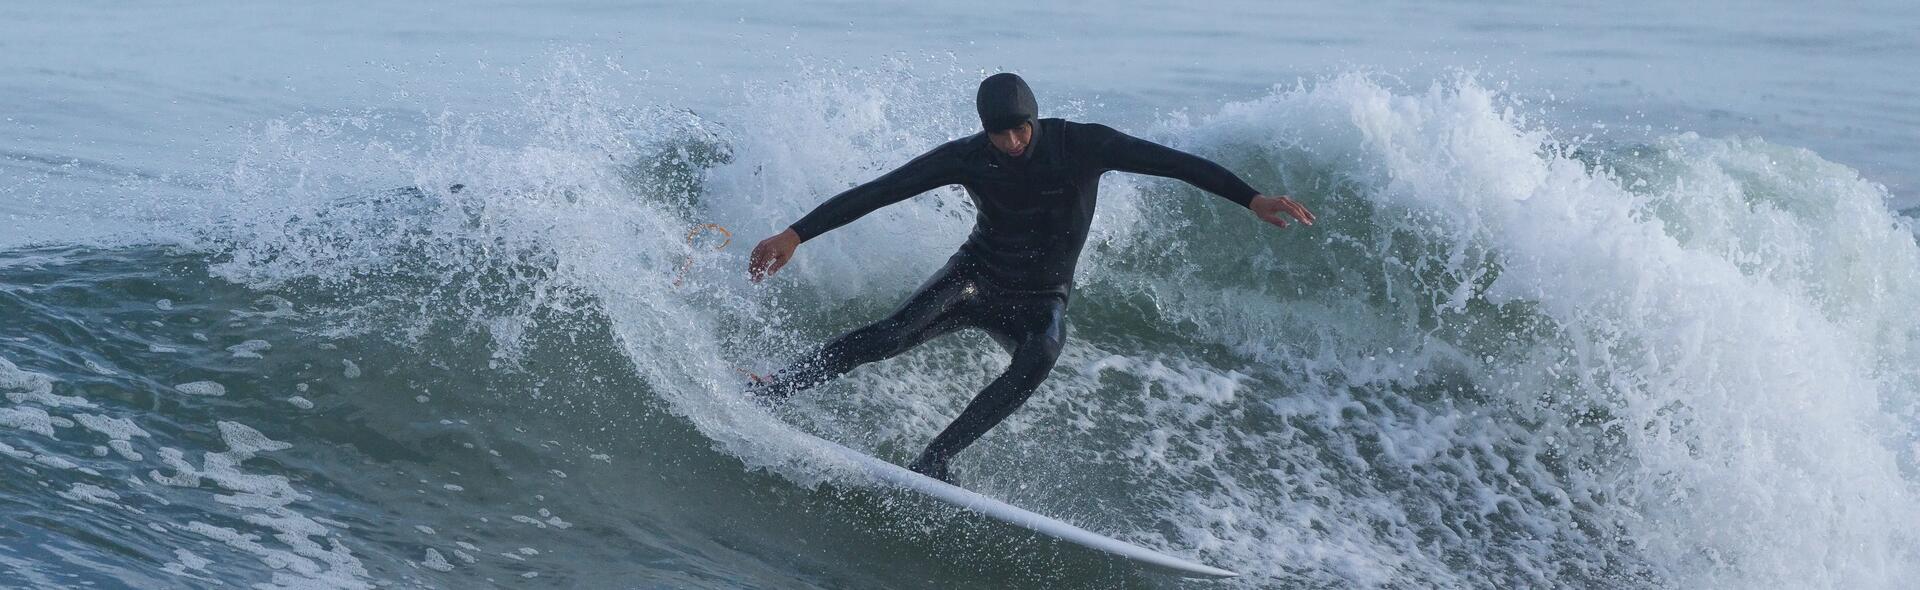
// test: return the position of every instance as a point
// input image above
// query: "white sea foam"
(92, 494)
(265, 502)
(435, 561)
(120, 433)
(34, 420)
(208, 388)
(23, 386)
(189, 560)
(114, 428)
(250, 349)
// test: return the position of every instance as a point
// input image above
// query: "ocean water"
(371, 296)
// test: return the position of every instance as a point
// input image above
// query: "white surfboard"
(902, 477)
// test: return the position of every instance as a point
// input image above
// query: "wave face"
(1503, 358)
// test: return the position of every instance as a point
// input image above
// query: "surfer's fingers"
(759, 261)
(779, 260)
(1297, 210)
(766, 261)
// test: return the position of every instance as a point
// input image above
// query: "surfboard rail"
(999, 510)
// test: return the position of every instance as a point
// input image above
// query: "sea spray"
(1502, 359)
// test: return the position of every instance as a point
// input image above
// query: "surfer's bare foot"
(936, 470)
(755, 377)
(757, 390)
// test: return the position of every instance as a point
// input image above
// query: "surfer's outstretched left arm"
(1126, 153)
(931, 170)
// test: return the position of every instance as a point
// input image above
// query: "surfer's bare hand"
(1270, 208)
(771, 254)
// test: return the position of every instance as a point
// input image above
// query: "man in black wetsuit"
(1033, 182)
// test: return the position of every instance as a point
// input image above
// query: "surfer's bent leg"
(928, 313)
(1034, 351)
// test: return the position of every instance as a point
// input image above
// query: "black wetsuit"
(1014, 274)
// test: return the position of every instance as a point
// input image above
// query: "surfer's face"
(1013, 142)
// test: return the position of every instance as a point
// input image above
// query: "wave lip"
(1701, 338)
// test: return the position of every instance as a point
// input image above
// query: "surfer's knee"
(1047, 348)
(874, 342)
(888, 337)
(1051, 338)
(1035, 357)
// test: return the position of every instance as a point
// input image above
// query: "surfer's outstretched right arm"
(931, 170)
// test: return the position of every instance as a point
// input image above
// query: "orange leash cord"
(726, 237)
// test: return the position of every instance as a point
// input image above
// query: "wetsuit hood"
(1005, 102)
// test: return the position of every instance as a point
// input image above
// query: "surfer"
(1033, 183)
